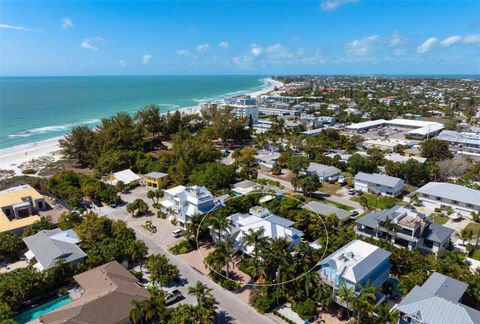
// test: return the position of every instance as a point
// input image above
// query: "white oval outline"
(254, 284)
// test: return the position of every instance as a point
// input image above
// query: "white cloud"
(427, 45)
(93, 43)
(146, 58)
(278, 52)
(334, 4)
(203, 48)
(67, 23)
(363, 46)
(122, 63)
(255, 50)
(396, 39)
(183, 52)
(451, 40)
(223, 45)
(17, 28)
(471, 39)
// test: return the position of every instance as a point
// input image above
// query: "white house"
(182, 203)
(260, 218)
(378, 183)
(443, 195)
(266, 158)
(127, 176)
(324, 172)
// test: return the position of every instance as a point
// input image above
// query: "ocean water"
(33, 109)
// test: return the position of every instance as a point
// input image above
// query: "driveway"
(235, 309)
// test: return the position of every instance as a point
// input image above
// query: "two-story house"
(19, 207)
(444, 195)
(378, 184)
(405, 227)
(259, 218)
(182, 203)
(356, 264)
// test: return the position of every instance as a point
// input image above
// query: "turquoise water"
(33, 109)
(38, 311)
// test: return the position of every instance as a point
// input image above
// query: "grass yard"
(474, 227)
(339, 205)
(476, 255)
(437, 218)
(384, 202)
(330, 188)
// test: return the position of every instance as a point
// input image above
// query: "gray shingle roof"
(322, 170)
(325, 209)
(244, 184)
(378, 178)
(451, 191)
(437, 233)
(48, 250)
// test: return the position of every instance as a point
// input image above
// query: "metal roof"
(452, 192)
(445, 287)
(325, 209)
(437, 233)
(322, 170)
(378, 178)
(156, 175)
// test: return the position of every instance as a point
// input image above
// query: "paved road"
(288, 186)
(235, 309)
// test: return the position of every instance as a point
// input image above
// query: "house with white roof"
(182, 203)
(437, 301)
(378, 184)
(47, 247)
(324, 172)
(356, 264)
(397, 158)
(267, 159)
(446, 195)
(259, 218)
(128, 177)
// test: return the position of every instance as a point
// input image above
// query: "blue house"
(355, 265)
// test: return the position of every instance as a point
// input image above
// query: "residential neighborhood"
(273, 208)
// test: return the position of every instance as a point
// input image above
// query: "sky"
(239, 37)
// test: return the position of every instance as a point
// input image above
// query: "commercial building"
(19, 207)
(108, 292)
(420, 129)
(445, 195)
(47, 247)
(437, 301)
(405, 227)
(378, 184)
(464, 140)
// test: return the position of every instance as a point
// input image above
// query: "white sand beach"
(12, 158)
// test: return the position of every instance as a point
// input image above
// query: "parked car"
(177, 233)
(354, 214)
(352, 192)
(173, 297)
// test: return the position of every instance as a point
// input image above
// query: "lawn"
(339, 205)
(474, 227)
(384, 202)
(330, 188)
(476, 255)
(437, 218)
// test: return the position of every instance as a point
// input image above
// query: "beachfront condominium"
(19, 207)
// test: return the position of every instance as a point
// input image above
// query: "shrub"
(277, 169)
(29, 171)
(182, 247)
(174, 222)
(137, 274)
(156, 205)
(437, 210)
(161, 215)
(306, 309)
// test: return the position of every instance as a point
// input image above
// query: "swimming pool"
(41, 309)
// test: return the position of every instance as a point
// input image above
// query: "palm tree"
(365, 302)
(136, 313)
(255, 239)
(390, 226)
(220, 224)
(201, 292)
(136, 251)
(193, 227)
(347, 295)
(466, 235)
(324, 296)
(148, 311)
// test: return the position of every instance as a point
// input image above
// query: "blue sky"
(249, 37)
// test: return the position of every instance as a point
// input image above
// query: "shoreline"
(11, 158)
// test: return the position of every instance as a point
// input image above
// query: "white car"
(177, 233)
